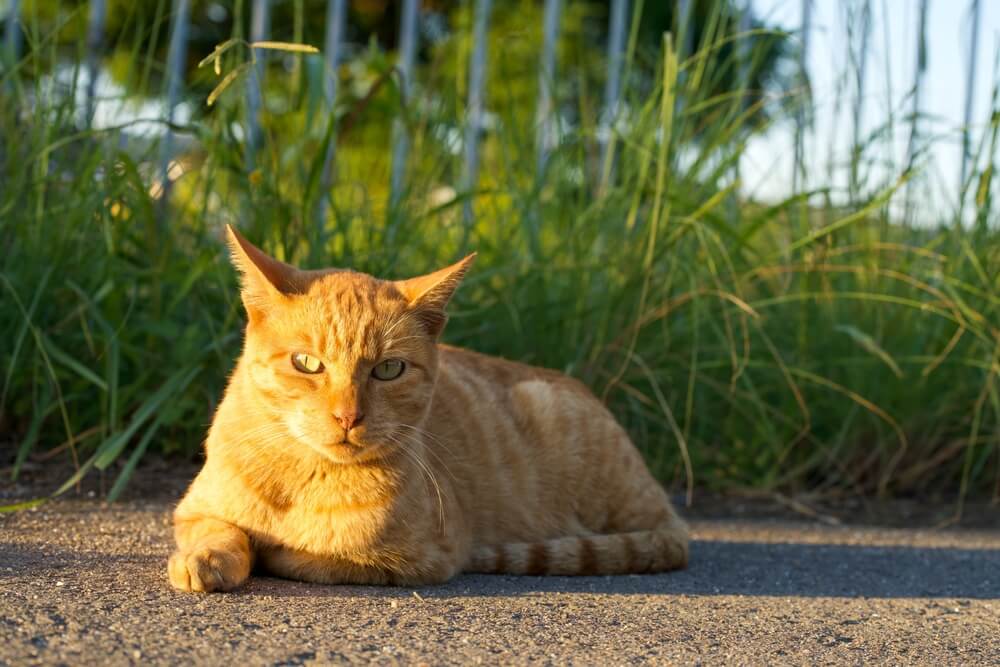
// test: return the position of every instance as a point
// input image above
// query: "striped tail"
(656, 550)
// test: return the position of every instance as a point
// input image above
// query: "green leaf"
(112, 447)
(25, 327)
(25, 505)
(30, 438)
(284, 46)
(861, 214)
(871, 346)
(133, 460)
(229, 78)
(218, 51)
(71, 363)
(76, 477)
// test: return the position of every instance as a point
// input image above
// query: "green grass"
(791, 347)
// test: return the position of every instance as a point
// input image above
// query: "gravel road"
(84, 583)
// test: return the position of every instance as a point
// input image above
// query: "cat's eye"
(390, 369)
(306, 363)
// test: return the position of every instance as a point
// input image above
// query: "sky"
(889, 76)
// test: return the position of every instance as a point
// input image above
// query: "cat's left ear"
(265, 279)
(430, 294)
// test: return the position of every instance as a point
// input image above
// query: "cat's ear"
(265, 279)
(429, 295)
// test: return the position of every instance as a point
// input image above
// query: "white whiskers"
(428, 472)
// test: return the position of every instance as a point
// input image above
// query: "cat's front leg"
(211, 555)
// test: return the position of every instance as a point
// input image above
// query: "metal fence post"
(474, 113)
(176, 56)
(336, 12)
(798, 169)
(12, 33)
(260, 20)
(612, 86)
(970, 83)
(918, 85)
(95, 35)
(400, 135)
(744, 56)
(545, 139)
(685, 26)
(11, 43)
(859, 98)
(744, 52)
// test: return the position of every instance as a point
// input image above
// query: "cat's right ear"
(265, 280)
(430, 294)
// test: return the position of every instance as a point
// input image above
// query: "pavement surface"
(83, 582)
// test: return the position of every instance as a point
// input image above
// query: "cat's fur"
(465, 463)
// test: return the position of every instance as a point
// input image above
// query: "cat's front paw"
(207, 570)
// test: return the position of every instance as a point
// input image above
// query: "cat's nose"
(348, 418)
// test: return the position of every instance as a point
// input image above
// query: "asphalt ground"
(83, 582)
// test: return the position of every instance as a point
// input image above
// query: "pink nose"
(348, 418)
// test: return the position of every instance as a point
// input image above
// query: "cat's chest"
(324, 517)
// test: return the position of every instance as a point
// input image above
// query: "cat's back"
(473, 382)
(511, 410)
(503, 374)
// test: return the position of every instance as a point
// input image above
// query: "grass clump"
(801, 345)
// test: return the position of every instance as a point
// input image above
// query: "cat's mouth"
(353, 447)
(346, 451)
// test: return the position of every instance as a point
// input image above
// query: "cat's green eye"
(390, 369)
(306, 363)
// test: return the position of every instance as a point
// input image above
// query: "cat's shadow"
(716, 568)
(730, 568)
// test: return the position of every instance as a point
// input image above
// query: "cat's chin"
(346, 453)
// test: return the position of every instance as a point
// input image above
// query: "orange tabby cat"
(351, 448)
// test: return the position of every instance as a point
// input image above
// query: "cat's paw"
(207, 570)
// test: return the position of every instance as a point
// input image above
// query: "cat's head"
(338, 361)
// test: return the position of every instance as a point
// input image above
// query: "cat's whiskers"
(262, 428)
(392, 327)
(430, 450)
(262, 437)
(392, 343)
(430, 436)
(428, 473)
(263, 434)
(415, 457)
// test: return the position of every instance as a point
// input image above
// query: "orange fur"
(462, 463)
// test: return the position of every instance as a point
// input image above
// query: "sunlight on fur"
(351, 447)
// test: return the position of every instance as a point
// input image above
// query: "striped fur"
(619, 553)
(464, 463)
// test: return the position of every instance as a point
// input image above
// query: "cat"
(351, 447)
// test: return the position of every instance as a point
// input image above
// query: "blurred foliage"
(141, 29)
(800, 345)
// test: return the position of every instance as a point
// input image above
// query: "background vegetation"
(802, 346)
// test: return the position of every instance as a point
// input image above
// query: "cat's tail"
(656, 550)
